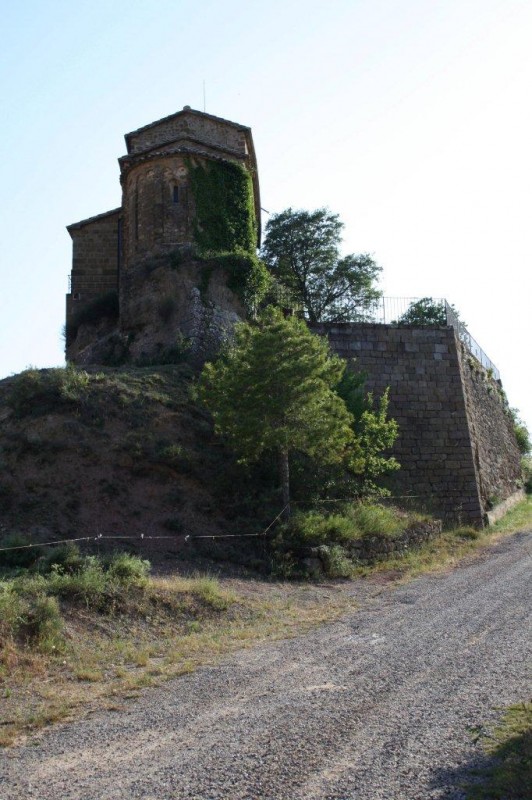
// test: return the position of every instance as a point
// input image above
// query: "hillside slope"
(116, 452)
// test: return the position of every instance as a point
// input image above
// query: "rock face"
(171, 311)
(126, 250)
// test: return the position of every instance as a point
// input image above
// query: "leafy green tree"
(273, 390)
(365, 461)
(425, 311)
(302, 251)
(278, 389)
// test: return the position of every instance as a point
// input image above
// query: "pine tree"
(273, 390)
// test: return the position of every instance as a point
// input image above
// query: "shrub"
(329, 536)
(336, 562)
(11, 610)
(128, 569)
(247, 276)
(63, 558)
(526, 465)
(313, 528)
(41, 620)
(18, 559)
(375, 520)
(90, 585)
(42, 391)
(26, 612)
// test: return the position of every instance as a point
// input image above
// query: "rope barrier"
(143, 537)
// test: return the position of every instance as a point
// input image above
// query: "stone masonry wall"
(207, 129)
(495, 451)
(423, 370)
(94, 259)
(156, 219)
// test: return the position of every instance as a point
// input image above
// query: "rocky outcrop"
(175, 305)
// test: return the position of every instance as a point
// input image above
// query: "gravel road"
(378, 705)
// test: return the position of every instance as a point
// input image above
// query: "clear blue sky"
(410, 118)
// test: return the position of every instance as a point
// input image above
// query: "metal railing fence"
(422, 311)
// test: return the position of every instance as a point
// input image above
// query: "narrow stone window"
(176, 194)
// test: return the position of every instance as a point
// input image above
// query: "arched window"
(175, 194)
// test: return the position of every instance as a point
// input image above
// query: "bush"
(11, 610)
(248, 276)
(526, 465)
(375, 520)
(18, 559)
(128, 569)
(313, 528)
(41, 620)
(28, 613)
(42, 391)
(63, 558)
(89, 586)
(329, 536)
(336, 562)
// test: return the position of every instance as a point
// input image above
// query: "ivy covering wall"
(225, 209)
(226, 228)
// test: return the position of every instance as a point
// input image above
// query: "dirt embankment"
(125, 452)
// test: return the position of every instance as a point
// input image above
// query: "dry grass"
(453, 546)
(183, 623)
(180, 623)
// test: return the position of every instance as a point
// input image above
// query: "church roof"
(81, 223)
(184, 111)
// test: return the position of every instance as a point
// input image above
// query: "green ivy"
(225, 209)
(248, 276)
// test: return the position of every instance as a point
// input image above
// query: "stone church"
(158, 217)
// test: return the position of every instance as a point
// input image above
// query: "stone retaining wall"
(456, 449)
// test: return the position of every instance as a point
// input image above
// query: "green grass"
(508, 772)
(331, 537)
(518, 518)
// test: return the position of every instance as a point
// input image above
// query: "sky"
(411, 119)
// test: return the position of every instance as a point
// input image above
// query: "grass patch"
(518, 518)
(336, 543)
(120, 630)
(453, 545)
(508, 773)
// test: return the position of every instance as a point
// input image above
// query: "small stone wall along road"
(377, 705)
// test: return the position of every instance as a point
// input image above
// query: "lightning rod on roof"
(204, 102)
